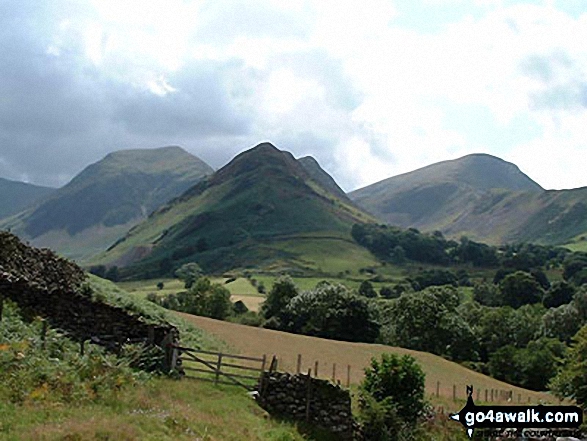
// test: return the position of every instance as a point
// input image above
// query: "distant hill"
(107, 198)
(480, 196)
(16, 196)
(262, 209)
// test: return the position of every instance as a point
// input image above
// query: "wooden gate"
(218, 367)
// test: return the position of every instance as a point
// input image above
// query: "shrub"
(391, 397)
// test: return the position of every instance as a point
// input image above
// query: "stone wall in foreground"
(303, 398)
(44, 284)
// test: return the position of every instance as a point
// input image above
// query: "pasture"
(257, 341)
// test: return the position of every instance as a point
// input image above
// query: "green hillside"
(16, 196)
(107, 198)
(479, 196)
(255, 211)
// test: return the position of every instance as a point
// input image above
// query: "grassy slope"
(492, 202)
(256, 211)
(107, 198)
(257, 341)
(17, 196)
(152, 409)
(160, 410)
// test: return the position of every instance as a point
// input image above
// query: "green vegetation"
(392, 398)
(48, 391)
(481, 197)
(571, 381)
(202, 298)
(250, 213)
(119, 190)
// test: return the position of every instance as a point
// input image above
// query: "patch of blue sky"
(479, 127)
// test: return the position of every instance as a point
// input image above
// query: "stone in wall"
(303, 398)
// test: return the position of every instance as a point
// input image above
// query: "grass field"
(160, 410)
(256, 342)
(240, 289)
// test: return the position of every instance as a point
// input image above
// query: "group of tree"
(329, 311)
(396, 245)
(202, 298)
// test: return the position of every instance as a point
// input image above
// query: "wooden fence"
(218, 367)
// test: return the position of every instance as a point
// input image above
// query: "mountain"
(16, 196)
(262, 209)
(107, 198)
(318, 174)
(479, 196)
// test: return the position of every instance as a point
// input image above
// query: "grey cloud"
(60, 113)
(201, 106)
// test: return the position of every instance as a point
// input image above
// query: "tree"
(429, 321)
(520, 288)
(571, 381)
(562, 322)
(487, 294)
(388, 293)
(283, 290)
(366, 289)
(331, 311)
(203, 298)
(189, 273)
(559, 293)
(391, 396)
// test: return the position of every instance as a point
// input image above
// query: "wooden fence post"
(273, 365)
(478, 394)
(299, 365)
(486, 395)
(348, 376)
(437, 389)
(316, 369)
(333, 372)
(454, 392)
(519, 398)
(218, 366)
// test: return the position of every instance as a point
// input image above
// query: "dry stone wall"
(47, 285)
(303, 398)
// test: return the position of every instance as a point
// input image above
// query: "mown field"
(257, 341)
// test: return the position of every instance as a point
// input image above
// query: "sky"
(371, 89)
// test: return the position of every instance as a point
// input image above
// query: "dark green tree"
(331, 311)
(189, 273)
(366, 289)
(520, 288)
(284, 289)
(559, 293)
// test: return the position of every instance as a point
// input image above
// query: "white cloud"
(336, 79)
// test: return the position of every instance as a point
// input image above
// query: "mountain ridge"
(262, 196)
(480, 196)
(108, 197)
